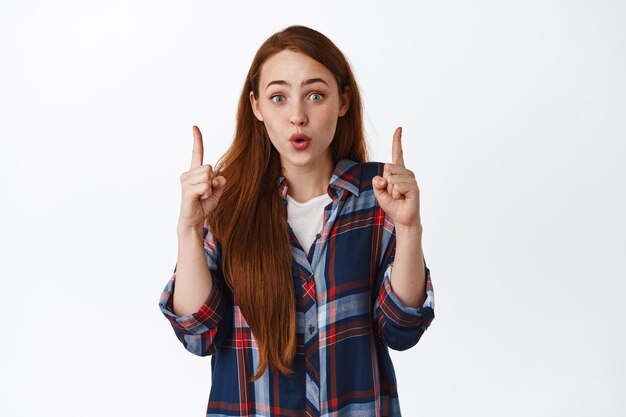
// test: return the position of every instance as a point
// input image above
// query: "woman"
(284, 270)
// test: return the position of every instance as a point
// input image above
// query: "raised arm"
(192, 301)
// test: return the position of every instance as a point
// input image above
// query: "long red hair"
(250, 219)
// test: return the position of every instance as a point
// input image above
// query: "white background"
(513, 117)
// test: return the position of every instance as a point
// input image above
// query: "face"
(299, 103)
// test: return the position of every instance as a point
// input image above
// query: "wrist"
(190, 231)
(415, 230)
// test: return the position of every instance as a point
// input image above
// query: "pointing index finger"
(396, 148)
(198, 148)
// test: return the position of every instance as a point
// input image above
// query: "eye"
(277, 98)
(316, 96)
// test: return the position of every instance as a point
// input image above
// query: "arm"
(401, 325)
(409, 278)
(405, 310)
(194, 281)
(201, 320)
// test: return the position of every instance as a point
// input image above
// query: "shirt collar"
(347, 176)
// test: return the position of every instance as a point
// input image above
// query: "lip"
(299, 145)
(296, 136)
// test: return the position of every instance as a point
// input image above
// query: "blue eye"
(277, 98)
(316, 96)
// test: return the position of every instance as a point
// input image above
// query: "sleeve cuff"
(207, 317)
(398, 312)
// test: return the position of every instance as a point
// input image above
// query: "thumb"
(218, 189)
(379, 185)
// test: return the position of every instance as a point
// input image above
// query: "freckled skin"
(312, 109)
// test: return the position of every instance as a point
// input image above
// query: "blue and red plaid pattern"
(347, 317)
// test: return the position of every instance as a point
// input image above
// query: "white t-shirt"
(307, 219)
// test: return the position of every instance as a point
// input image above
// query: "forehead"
(293, 67)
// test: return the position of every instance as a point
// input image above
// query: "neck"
(306, 182)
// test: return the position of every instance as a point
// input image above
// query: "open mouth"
(300, 142)
(299, 138)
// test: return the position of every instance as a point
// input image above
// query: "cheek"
(273, 116)
(325, 115)
(329, 117)
(270, 119)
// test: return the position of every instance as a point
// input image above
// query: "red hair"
(250, 219)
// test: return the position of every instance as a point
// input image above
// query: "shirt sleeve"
(203, 331)
(399, 325)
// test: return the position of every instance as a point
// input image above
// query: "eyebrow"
(306, 82)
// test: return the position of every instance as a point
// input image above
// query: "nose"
(298, 116)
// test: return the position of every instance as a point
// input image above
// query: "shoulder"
(371, 168)
(367, 171)
(356, 176)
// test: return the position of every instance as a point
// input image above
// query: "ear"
(344, 102)
(254, 103)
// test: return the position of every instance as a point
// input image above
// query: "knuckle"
(199, 190)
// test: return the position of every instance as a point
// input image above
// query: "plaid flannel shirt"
(347, 317)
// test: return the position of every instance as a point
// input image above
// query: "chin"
(298, 160)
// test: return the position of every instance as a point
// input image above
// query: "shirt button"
(318, 235)
(311, 329)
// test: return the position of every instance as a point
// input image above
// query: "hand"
(201, 189)
(396, 191)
